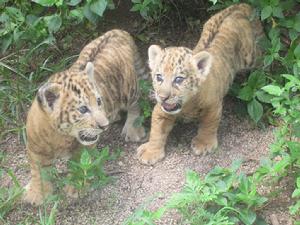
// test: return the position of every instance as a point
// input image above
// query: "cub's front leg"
(161, 125)
(206, 139)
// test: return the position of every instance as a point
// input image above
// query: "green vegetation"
(89, 170)
(85, 174)
(221, 197)
(8, 196)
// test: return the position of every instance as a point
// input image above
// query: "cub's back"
(117, 66)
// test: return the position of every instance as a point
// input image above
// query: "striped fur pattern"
(192, 83)
(76, 105)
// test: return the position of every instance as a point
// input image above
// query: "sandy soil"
(135, 183)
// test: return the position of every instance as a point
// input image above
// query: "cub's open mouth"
(87, 138)
(171, 107)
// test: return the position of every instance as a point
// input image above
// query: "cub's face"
(74, 105)
(177, 75)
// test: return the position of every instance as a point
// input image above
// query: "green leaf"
(247, 216)
(246, 93)
(91, 16)
(255, 110)
(221, 201)
(281, 165)
(260, 221)
(277, 12)
(263, 96)
(77, 13)
(294, 148)
(98, 6)
(45, 2)
(256, 79)
(266, 12)
(294, 209)
(53, 22)
(273, 90)
(268, 60)
(296, 129)
(296, 193)
(297, 51)
(6, 42)
(85, 159)
(244, 184)
(73, 2)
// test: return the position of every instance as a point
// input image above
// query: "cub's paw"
(134, 134)
(149, 155)
(203, 147)
(34, 194)
(71, 191)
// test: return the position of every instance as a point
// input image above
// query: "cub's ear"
(89, 69)
(47, 95)
(202, 62)
(154, 54)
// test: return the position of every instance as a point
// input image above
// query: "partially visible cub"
(74, 106)
(192, 84)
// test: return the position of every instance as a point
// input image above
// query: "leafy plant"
(221, 197)
(252, 95)
(145, 87)
(85, 170)
(35, 21)
(150, 10)
(89, 172)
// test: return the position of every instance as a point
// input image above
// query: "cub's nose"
(103, 127)
(164, 97)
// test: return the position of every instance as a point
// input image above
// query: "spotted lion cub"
(192, 84)
(74, 106)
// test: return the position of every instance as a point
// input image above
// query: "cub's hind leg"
(37, 189)
(131, 130)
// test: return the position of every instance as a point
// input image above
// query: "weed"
(45, 218)
(9, 196)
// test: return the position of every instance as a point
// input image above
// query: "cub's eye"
(178, 80)
(83, 109)
(159, 78)
(99, 101)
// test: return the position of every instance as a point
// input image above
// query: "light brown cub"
(74, 106)
(192, 84)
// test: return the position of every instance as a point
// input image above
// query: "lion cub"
(192, 84)
(74, 106)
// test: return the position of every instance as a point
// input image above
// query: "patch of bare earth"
(134, 183)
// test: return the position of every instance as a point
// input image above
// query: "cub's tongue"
(169, 107)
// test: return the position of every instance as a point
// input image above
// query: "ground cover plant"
(29, 34)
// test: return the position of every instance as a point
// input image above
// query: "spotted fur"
(74, 106)
(192, 83)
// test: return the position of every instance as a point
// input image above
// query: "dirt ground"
(136, 183)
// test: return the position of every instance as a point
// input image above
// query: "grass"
(8, 196)
(22, 73)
